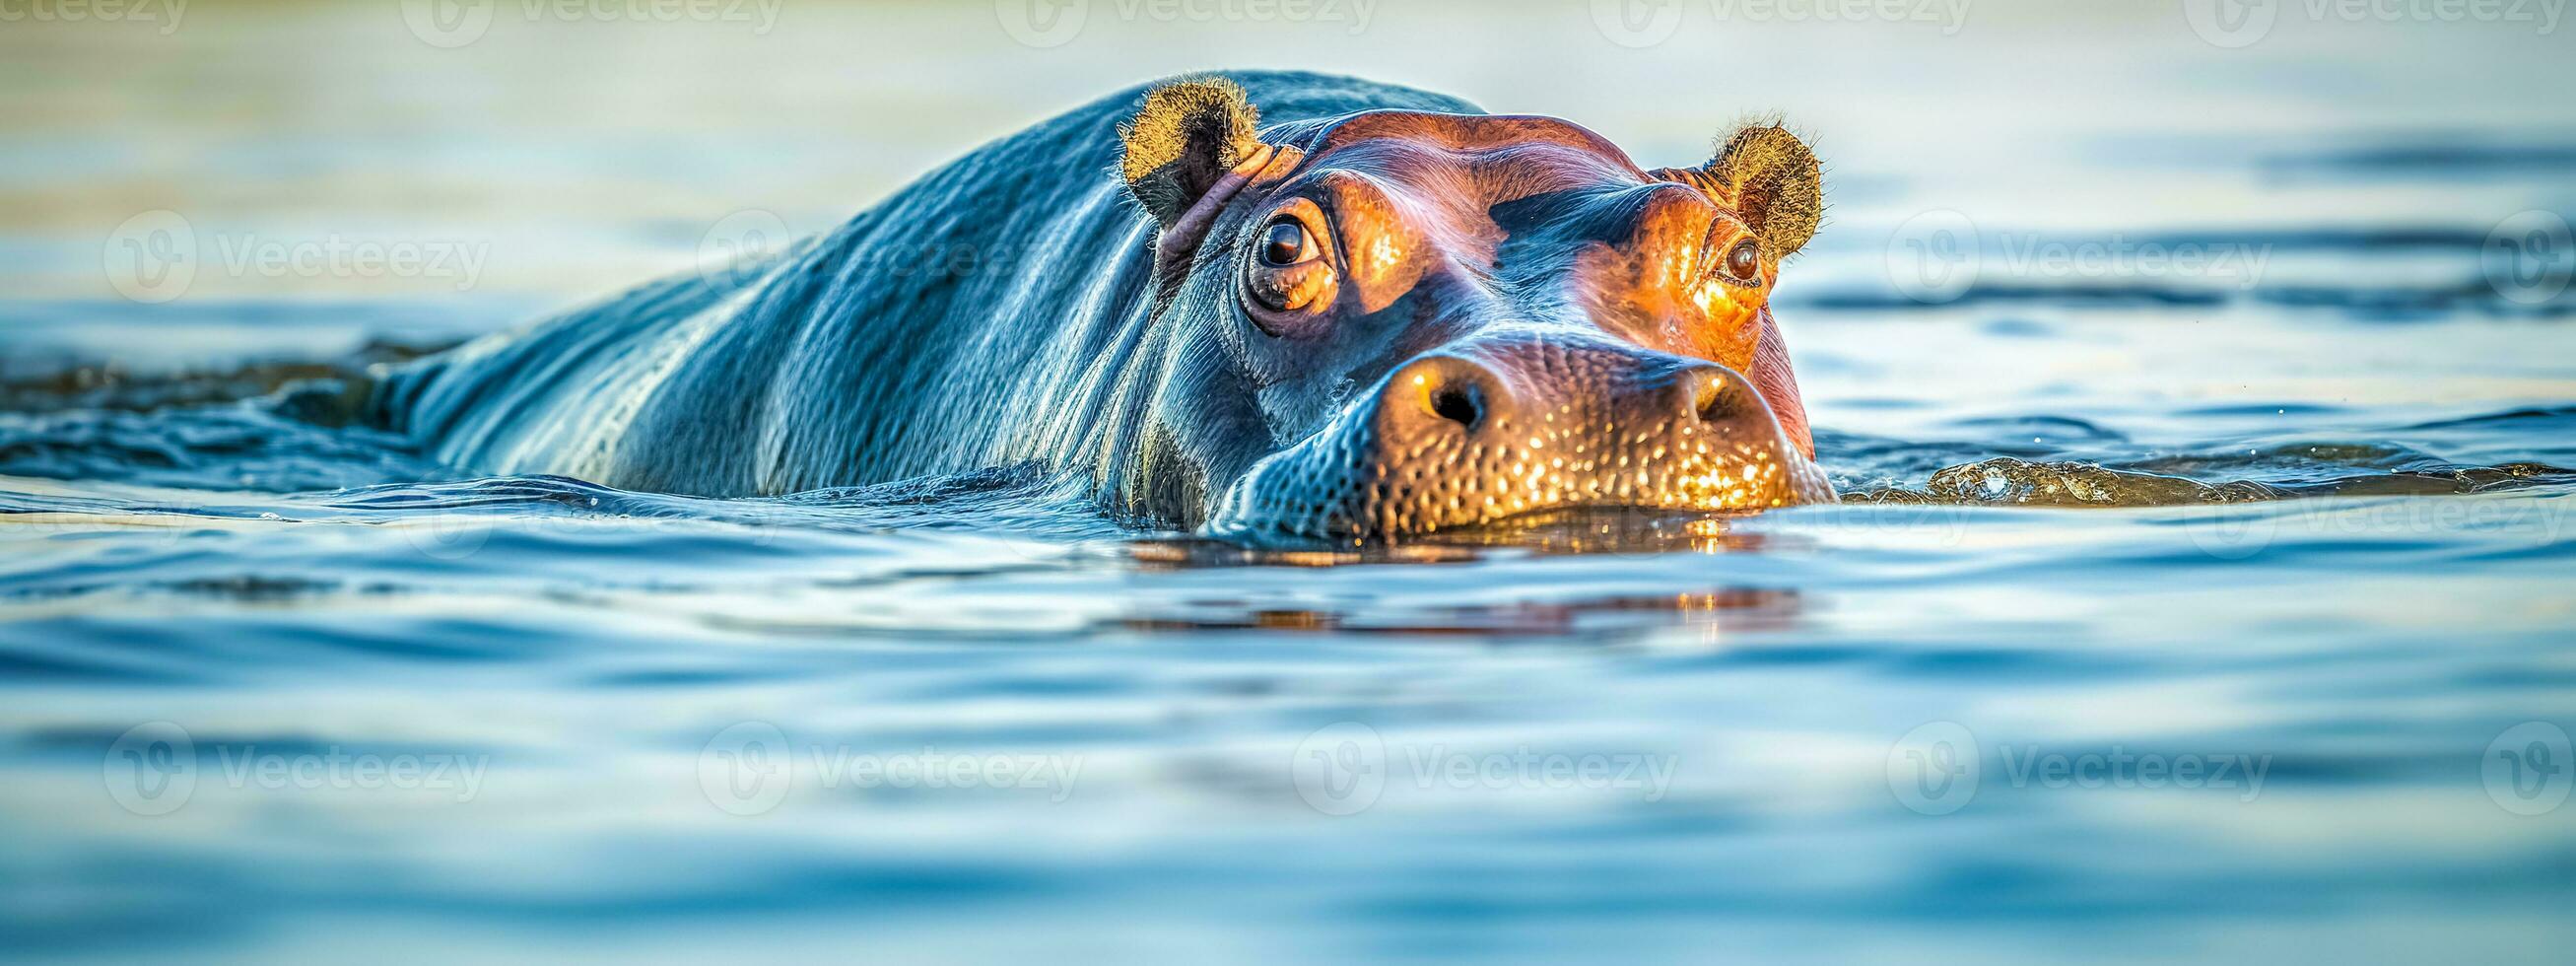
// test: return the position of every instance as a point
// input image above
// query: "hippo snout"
(1472, 434)
(1482, 405)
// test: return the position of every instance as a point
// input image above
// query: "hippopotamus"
(1259, 303)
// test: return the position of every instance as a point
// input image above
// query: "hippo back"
(994, 312)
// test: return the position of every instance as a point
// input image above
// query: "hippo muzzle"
(1481, 431)
(1532, 321)
(1380, 313)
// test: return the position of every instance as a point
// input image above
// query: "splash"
(2009, 481)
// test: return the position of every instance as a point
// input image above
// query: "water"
(2170, 613)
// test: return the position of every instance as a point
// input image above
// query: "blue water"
(2169, 614)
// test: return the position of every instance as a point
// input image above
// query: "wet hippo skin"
(1255, 303)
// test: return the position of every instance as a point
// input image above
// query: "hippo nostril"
(1458, 404)
(1434, 392)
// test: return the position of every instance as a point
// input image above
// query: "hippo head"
(1404, 322)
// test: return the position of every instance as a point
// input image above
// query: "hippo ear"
(1771, 180)
(1185, 136)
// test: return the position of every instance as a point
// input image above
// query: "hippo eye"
(1744, 261)
(1289, 278)
(1286, 243)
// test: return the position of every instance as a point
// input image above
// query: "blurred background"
(585, 144)
(475, 163)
